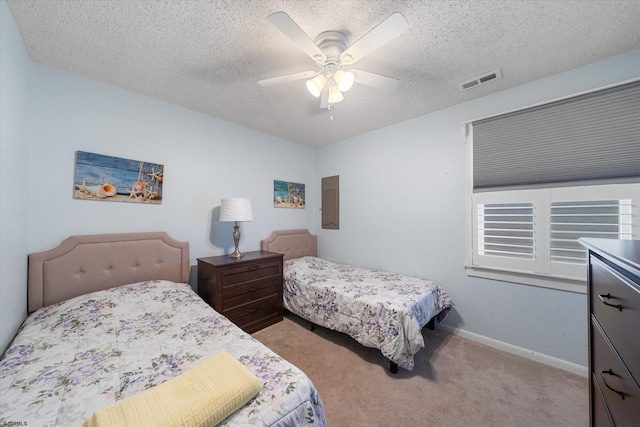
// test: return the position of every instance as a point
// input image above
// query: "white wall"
(402, 208)
(15, 71)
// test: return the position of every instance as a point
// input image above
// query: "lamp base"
(236, 254)
(236, 240)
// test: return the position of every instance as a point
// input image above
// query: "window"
(506, 230)
(535, 232)
(570, 220)
(546, 176)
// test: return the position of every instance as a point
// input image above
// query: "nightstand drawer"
(615, 302)
(233, 295)
(255, 310)
(247, 290)
(249, 272)
(620, 391)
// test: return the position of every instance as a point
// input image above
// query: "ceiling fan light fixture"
(345, 80)
(331, 50)
(315, 85)
(335, 95)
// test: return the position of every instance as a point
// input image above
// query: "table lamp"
(234, 210)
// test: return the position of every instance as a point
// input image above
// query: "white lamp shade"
(315, 85)
(345, 80)
(334, 94)
(232, 210)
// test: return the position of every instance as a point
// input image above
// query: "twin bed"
(112, 317)
(382, 310)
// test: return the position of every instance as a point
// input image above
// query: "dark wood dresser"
(247, 290)
(614, 331)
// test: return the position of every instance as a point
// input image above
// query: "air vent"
(480, 80)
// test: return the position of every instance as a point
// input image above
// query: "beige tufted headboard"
(291, 243)
(83, 264)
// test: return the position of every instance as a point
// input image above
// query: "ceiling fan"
(331, 51)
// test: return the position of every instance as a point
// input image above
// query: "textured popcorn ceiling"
(207, 55)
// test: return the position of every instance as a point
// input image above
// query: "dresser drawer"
(615, 302)
(250, 271)
(620, 391)
(599, 411)
(254, 311)
(241, 293)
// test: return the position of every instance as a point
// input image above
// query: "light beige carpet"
(456, 382)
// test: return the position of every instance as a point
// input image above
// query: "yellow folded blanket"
(202, 396)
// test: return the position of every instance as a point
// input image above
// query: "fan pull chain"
(330, 113)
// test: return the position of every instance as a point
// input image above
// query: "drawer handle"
(252, 290)
(252, 310)
(610, 372)
(253, 268)
(602, 297)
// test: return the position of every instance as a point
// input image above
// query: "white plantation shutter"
(570, 220)
(535, 231)
(506, 230)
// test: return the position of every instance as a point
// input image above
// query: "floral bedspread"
(75, 357)
(378, 309)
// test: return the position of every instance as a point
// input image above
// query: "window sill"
(545, 281)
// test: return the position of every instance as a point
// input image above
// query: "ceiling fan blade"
(288, 78)
(375, 80)
(290, 29)
(381, 34)
(324, 97)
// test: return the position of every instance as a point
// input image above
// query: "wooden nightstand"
(247, 290)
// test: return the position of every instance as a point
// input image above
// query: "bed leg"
(313, 327)
(432, 324)
(393, 367)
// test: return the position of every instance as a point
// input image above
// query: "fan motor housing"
(332, 44)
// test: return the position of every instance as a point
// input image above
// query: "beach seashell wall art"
(100, 177)
(288, 195)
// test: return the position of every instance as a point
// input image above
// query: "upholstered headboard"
(83, 264)
(291, 243)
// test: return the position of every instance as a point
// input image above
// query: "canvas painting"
(100, 177)
(288, 195)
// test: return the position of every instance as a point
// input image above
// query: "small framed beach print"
(288, 195)
(100, 177)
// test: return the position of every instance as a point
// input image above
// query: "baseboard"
(518, 351)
